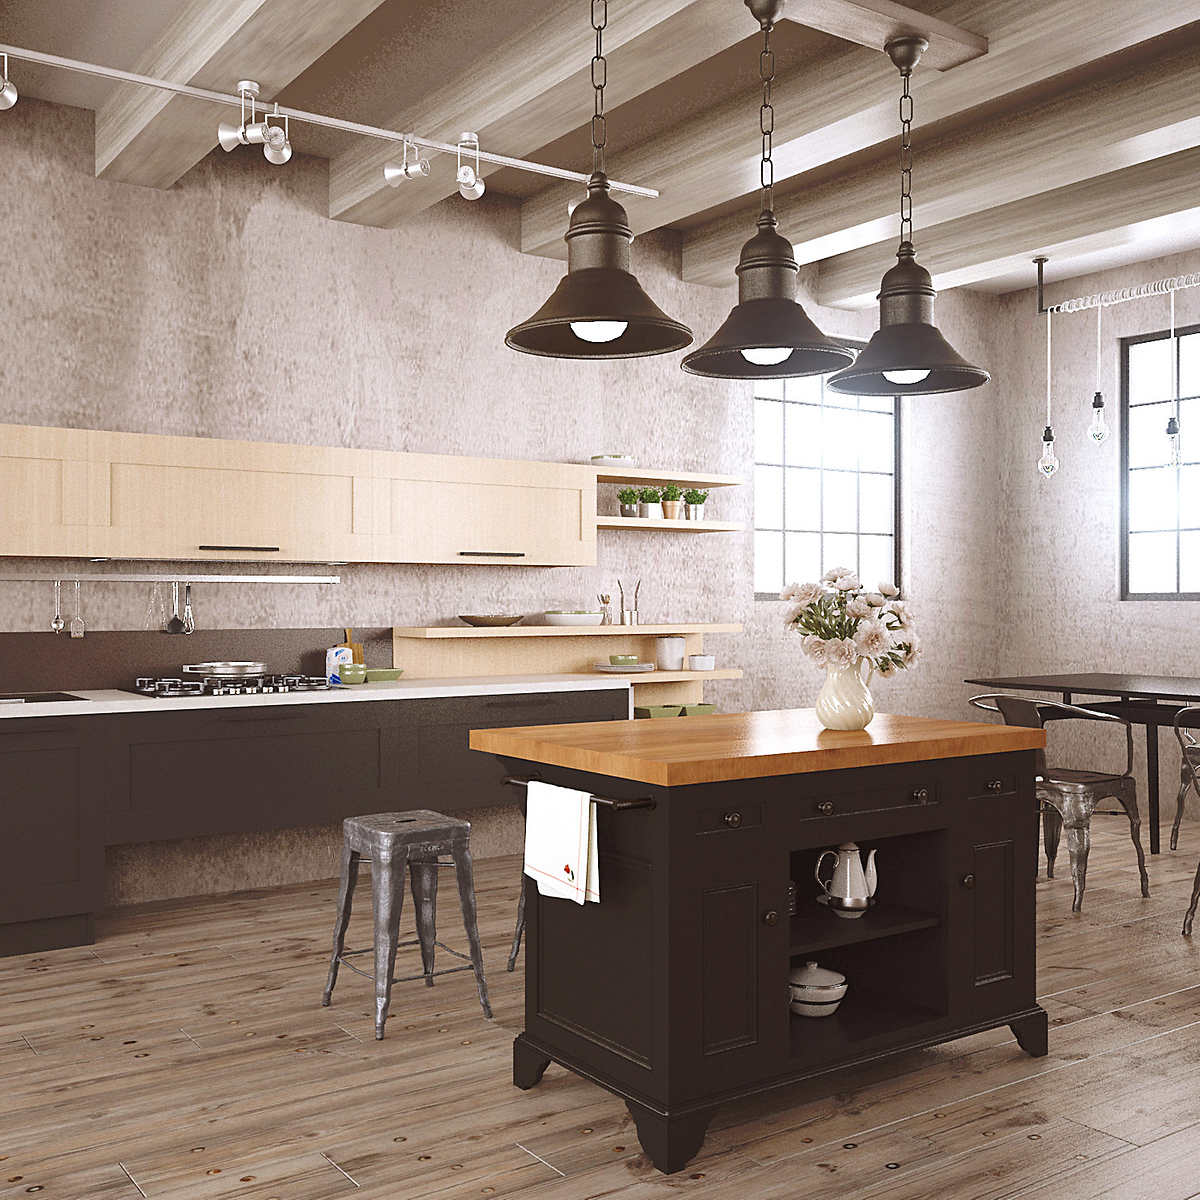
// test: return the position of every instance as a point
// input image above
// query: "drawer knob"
(968, 881)
(732, 819)
(921, 796)
(770, 917)
(825, 808)
(995, 785)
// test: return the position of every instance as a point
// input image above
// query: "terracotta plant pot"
(671, 509)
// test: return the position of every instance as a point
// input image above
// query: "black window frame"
(897, 486)
(1126, 343)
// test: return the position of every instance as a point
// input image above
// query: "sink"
(35, 697)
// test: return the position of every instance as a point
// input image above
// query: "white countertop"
(115, 701)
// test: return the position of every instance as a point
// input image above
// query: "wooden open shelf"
(681, 526)
(511, 631)
(863, 1021)
(823, 930)
(648, 476)
(637, 677)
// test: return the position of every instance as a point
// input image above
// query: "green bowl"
(623, 660)
(352, 673)
(384, 674)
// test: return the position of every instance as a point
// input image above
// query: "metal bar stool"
(1189, 750)
(1191, 764)
(392, 842)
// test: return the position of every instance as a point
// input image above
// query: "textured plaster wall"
(231, 306)
(1059, 538)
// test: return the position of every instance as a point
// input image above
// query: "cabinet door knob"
(770, 917)
(921, 796)
(968, 881)
(732, 819)
(995, 785)
(825, 808)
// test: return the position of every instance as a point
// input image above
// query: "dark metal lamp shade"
(767, 318)
(599, 294)
(907, 356)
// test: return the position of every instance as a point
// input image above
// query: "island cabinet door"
(991, 905)
(729, 949)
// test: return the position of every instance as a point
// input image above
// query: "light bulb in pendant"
(1098, 429)
(901, 378)
(598, 331)
(768, 356)
(1173, 440)
(1048, 463)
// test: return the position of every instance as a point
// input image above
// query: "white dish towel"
(560, 842)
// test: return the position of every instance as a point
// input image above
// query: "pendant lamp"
(767, 335)
(908, 355)
(599, 309)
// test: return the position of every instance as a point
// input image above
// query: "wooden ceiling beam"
(151, 138)
(873, 23)
(820, 114)
(530, 90)
(1081, 217)
(1133, 117)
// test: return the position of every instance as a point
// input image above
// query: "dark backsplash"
(113, 659)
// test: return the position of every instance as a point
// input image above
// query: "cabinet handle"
(492, 553)
(967, 881)
(825, 808)
(770, 917)
(995, 785)
(921, 796)
(247, 549)
(732, 819)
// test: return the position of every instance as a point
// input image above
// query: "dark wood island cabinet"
(672, 992)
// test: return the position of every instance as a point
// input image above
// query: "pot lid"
(812, 975)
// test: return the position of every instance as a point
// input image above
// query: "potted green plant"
(672, 495)
(629, 501)
(693, 500)
(650, 503)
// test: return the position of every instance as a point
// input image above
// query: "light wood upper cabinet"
(70, 492)
(434, 508)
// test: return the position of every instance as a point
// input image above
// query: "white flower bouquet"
(842, 624)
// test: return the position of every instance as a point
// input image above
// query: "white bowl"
(814, 991)
(613, 460)
(572, 618)
(702, 662)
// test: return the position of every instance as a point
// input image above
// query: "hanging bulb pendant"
(1173, 441)
(1047, 464)
(1098, 429)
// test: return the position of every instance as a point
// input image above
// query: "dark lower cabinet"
(71, 786)
(673, 991)
(51, 832)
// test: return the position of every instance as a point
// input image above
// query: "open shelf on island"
(862, 1020)
(821, 929)
(650, 476)
(682, 526)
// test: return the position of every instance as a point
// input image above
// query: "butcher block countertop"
(752, 745)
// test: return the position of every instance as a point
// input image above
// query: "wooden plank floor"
(186, 1055)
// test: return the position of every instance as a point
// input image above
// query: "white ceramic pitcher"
(853, 883)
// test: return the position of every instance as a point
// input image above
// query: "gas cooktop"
(216, 685)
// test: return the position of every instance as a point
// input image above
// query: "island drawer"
(914, 792)
(991, 775)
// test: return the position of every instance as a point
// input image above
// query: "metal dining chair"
(1069, 797)
(1189, 755)
(1191, 764)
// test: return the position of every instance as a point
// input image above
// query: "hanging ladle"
(175, 624)
(58, 624)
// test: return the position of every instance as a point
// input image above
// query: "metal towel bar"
(608, 802)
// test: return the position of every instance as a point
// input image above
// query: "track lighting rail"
(309, 118)
(1140, 291)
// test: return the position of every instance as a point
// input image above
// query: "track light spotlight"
(470, 182)
(277, 145)
(8, 89)
(230, 136)
(416, 167)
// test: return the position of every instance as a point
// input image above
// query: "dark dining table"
(1149, 700)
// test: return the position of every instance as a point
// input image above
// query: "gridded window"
(1160, 488)
(826, 484)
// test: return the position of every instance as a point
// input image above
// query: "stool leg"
(1128, 799)
(1185, 782)
(345, 898)
(388, 894)
(1051, 830)
(423, 879)
(520, 929)
(466, 896)
(1079, 843)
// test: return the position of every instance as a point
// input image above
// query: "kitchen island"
(672, 992)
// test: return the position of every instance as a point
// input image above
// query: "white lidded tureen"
(815, 991)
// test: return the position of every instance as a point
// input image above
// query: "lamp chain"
(906, 160)
(599, 79)
(766, 119)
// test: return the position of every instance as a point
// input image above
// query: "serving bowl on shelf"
(815, 991)
(576, 617)
(489, 620)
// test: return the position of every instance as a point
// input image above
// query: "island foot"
(529, 1063)
(670, 1143)
(1032, 1033)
